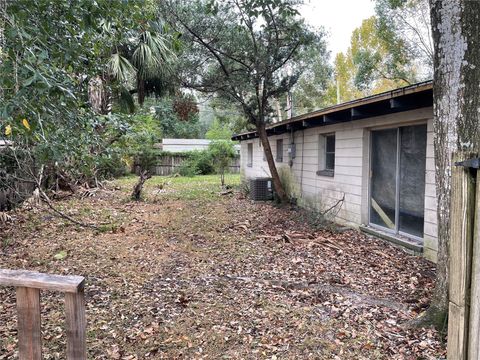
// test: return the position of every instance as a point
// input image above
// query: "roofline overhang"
(403, 99)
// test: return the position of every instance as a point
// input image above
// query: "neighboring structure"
(375, 153)
(185, 145)
(4, 143)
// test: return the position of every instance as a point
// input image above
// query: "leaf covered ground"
(191, 274)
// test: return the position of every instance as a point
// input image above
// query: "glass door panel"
(384, 178)
(413, 148)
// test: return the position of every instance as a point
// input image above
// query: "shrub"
(188, 169)
(203, 161)
(222, 152)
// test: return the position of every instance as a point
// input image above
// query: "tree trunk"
(277, 184)
(137, 189)
(140, 89)
(456, 29)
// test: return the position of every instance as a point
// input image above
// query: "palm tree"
(147, 54)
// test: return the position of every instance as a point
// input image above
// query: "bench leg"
(29, 327)
(76, 326)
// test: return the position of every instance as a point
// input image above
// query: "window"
(330, 152)
(280, 150)
(326, 155)
(250, 155)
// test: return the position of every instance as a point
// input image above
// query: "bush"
(222, 152)
(188, 169)
(197, 163)
(204, 162)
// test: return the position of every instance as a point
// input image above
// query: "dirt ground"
(191, 274)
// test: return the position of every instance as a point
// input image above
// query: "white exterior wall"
(352, 168)
(183, 145)
(430, 226)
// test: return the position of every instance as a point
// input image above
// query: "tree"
(219, 131)
(144, 53)
(456, 29)
(55, 49)
(178, 117)
(222, 152)
(371, 64)
(310, 92)
(239, 50)
(405, 27)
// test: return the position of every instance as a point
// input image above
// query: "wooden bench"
(28, 285)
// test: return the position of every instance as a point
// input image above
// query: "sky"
(339, 18)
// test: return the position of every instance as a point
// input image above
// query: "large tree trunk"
(456, 29)
(140, 89)
(277, 184)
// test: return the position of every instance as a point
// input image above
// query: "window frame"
(324, 153)
(279, 154)
(249, 154)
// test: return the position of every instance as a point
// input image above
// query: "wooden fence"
(28, 285)
(169, 164)
(464, 267)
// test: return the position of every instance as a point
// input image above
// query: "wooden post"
(76, 326)
(461, 237)
(28, 285)
(29, 329)
(474, 326)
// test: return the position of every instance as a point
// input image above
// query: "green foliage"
(197, 163)
(223, 54)
(222, 152)
(188, 169)
(219, 131)
(138, 144)
(368, 66)
(218, 111)
(289, 183)
(55, 48)
(196, 188)
(310, 92)
(405, 27)
(172, 126)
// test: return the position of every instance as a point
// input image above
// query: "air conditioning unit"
(261, 189)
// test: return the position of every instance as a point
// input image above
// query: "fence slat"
(461, 236)
(76, 326)
(168, 164)
(474, 326)
(29, 327)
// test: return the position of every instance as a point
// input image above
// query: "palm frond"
(126, 101)
(119, 67)
(153, 54)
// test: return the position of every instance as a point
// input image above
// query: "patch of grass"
(200, 187)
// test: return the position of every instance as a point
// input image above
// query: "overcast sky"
(339, 18)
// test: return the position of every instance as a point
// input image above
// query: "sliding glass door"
(397, 184)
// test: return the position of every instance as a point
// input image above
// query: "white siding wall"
(430, 226)
(351, 176)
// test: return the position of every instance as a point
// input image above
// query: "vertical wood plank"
(76, 326)
(457, 335)
(461, 237)
(474, 322)
(29, 327)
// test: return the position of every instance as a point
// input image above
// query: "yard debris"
(222, 277)
(5, 218)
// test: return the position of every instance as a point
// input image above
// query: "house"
(375, 153)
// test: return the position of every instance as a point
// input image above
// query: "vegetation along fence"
(168, 164)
